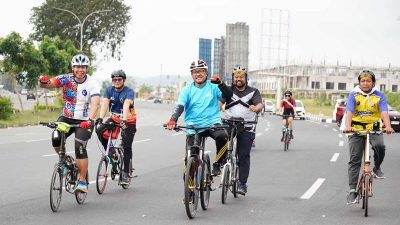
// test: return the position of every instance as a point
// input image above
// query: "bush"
(6, 109)
(43, 107)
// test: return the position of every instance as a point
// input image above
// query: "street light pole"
(84, 20)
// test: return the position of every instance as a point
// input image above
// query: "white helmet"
(199, 64)
(80, 60)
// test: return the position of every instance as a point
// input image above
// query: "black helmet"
(288, 93)
(118, 73)
(367, 73)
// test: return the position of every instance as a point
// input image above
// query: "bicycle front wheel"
(286, 140)
(81, 196)
(367, 191)
(56, 188)
(102, 175)
(225, 184)
(235, 182)
(205, 183)
(191, 187)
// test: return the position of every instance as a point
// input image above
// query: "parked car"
(157, 100)
(394, 117)
(269, 107)
(30, 96)
(340, 108)
(300, 110)
(24, 91)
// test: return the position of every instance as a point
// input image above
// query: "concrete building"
(311, 81)
(217, 55)
(236, 47)
(205, 53)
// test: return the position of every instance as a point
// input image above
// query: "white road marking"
(341, 143)
(334, 129)
(144, 140)
(310, 192)
(55, 154)
(334, 157)
(266, 129)
(178, 133)
(340, 135)
(43, 139)
(258, 134)
(325, 125)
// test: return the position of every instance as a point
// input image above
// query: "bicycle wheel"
(235, 182)
(191, 187)
(125, 186)
(102, 175)
(81, 196)
(225, 184)
(56, 188)
(285, 141)
(367, 184)
(205, 183)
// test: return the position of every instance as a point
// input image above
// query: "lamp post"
(81, 23)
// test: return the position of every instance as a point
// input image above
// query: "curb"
(320, 119)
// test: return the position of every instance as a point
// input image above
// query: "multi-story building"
(217, 54)
(236, 47)
(205, 52)
(311, 81)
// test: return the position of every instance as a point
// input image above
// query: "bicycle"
(66, 171)
(286, 133)
(230, 171)
(197, 171)
(364, 185)
(112, 157)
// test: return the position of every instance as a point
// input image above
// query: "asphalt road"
(305, 185)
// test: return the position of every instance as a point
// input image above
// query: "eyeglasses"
(117, 80)
(287, 95)
(198, 71)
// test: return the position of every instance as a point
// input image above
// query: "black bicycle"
(66, 172)
(112, 162)
(230, 171)
(197, 171)
(286, 133)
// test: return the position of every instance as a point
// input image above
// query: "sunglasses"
(287, 95)
(117, 80)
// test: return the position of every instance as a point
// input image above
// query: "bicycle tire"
(102, 174)
(235, 182)
(286, 141)
(225, 184)
(191, 187)
(205, 183)
(81, 196)
(56, 188)
(367, 182)
(125, 186)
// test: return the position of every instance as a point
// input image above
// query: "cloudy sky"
(163, 35)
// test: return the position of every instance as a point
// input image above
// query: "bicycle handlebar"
(197, 128)
(53, 125)
(238, 120)
(364, 132)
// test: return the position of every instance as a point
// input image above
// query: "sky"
(163, 35)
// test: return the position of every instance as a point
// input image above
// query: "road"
(305, 185)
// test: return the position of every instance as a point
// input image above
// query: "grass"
(30, 118)
(313, 107)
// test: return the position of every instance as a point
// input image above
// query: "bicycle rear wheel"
(225, 184)
(367, 184)
(81, 196)
(191, 187)
(102, 175)
(56, 188)
(205, 183)
(235, 182)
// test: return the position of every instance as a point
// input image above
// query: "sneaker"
(378, 172)
(282, 139)
(242, 189)
(81, 187)
(291, 136)
(124, 178)
(352, 197)
(216, 169)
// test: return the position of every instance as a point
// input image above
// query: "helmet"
(199, 64)
(239, 70)
(80, 60)
(366, 73)
(118, 73)
(288, 93)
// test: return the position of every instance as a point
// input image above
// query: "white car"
(269, 107)
(301, 112)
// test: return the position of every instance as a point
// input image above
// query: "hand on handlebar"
(99, 120)
(388, 130)
(86, 124)
(171, 125)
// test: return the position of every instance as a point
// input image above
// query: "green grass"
(30, 118)
(312, 107)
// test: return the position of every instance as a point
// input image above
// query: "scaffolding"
(274, 47)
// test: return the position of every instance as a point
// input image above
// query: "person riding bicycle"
(81, 96)
(245, 102)
(200, 102)
(365, 106)
(288, 110)
(119, 100)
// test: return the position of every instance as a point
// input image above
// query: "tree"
(106, 30)
(144, 89)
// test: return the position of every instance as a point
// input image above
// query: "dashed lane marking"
(334, 157)
(311, 191)
(341, 143)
